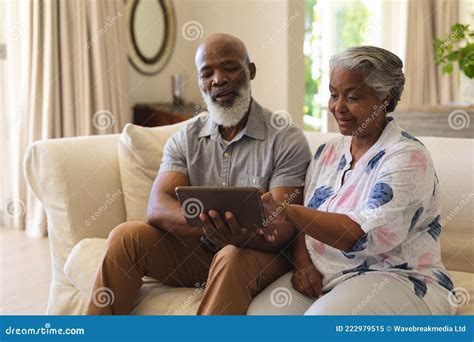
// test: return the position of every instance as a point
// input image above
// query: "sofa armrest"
(78, 182)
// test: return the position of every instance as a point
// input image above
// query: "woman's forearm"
(333, 229)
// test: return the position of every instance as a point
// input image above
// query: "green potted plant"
(458, 46)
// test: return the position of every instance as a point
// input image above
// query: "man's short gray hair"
(381, 69)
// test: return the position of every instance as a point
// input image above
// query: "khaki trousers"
(233, 276)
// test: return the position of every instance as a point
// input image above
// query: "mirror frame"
(141, 63)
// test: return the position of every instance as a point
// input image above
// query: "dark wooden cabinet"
(160, 114)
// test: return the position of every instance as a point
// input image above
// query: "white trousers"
(373, 294)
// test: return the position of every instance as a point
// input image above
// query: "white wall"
(157, 88)
(273, 32)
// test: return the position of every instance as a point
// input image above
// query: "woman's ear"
(387, 99)
(388, 102)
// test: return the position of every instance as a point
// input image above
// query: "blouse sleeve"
(403, 183)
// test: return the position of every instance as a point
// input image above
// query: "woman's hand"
(274, 210)
(308, 281)
(275, 217)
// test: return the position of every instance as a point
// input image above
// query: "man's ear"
(252, 69)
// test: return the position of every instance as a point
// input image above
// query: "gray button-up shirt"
(262, 155)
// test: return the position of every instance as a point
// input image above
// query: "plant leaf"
(469, 71)
(448, 68)
(453, 56)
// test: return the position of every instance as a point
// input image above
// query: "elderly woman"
(370, 227)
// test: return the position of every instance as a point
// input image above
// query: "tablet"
(244, 203)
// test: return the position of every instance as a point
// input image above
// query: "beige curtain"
(67, 77)
(425, 83)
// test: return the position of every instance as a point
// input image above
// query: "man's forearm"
(166, 214)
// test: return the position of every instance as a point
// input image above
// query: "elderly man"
(237, 144)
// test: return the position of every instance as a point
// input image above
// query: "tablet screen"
(244, 203)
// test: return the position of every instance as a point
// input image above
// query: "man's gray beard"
(230, 116)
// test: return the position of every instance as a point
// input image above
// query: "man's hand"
(224, 232)
(308, 281)
(271, 237)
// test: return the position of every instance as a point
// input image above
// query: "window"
(332, 26)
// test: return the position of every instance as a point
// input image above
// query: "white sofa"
(72, 177)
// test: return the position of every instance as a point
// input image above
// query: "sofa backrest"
(454, 163)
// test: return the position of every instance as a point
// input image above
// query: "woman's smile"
(344, 121)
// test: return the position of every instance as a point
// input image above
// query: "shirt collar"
(208, 127)
(255, 127)
(387, 133)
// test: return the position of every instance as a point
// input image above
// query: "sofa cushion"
(157, 299)
(464, 286)
(153, 299)
(280, 298)
(140, 151)
(83, 262)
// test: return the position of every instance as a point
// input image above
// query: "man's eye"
(205, 75)
(333, 96)
(352, 98)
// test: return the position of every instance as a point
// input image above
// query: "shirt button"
(226, 154)
(224, 183)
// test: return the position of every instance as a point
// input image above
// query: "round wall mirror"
(151, 34)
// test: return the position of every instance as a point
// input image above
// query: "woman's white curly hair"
(381, 69)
